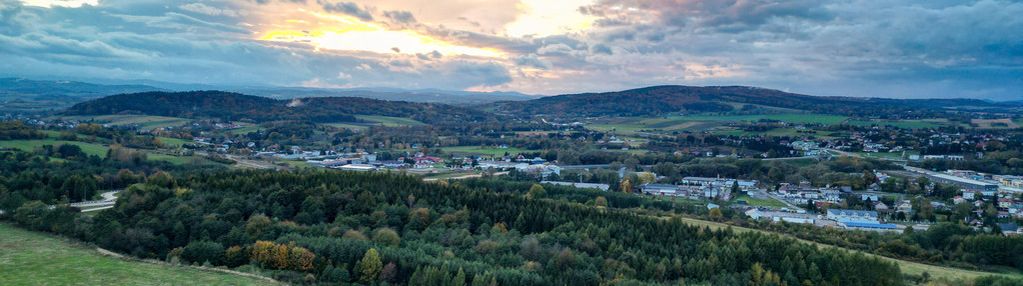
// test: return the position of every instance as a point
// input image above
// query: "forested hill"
(667, 99)
(235, 106)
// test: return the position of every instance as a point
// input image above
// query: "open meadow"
(32, 258)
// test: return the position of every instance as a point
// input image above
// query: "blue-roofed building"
(869, 225)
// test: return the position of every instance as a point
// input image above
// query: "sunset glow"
(345, 33)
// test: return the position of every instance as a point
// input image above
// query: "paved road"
(469, 176)
(108, 200)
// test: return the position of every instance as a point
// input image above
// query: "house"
(880, 207)
(904, 207)
(1004, 203)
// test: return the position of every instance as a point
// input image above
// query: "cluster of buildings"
(846, 219)
(804, 193)
(700, 188)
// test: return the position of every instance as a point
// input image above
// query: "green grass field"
(349, 126)
(32, 258)
(176, 160)
(390, 121)
(493, 151)
(768, 202)
(144, 121)
(173, 142)
(245, 130)
(905, 124)
(29, 145)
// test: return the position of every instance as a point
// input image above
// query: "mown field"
(245, 130)
(907, 124)
(767, 202)
(144, 121)
(32, 258)
(99, 149)
(390, 121)
(29, 145)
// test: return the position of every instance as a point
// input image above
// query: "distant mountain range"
(654, 100)
(63, 93)
(55, 89)
(658, 100)
(235, 106)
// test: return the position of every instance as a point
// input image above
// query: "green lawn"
(144, 121)
(29, 145)
(245, 130)
(32, 258)
(173, 142)
(493, 151)
(348, 126)
(905, 124)
(176, 160)
(390, 121)
(768, 202)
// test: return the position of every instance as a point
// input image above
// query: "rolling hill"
(659, 100)
(236, 106)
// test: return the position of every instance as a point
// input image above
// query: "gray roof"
(852, 213)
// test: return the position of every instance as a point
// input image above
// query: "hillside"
(235, 106)
(426, 95)
(24, 95)
(659, 100)
(32, 258)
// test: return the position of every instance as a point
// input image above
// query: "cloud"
(403, 17)
(208, 10)
(897, 48)
(349, 8)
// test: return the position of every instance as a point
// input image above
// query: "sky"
(891, 48)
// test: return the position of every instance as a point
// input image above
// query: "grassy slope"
(245, 130)
(30, 258)
(907, 267)
(89, 149)
(29, 145)
(173, 142)
(145, 121)
(390, 121)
